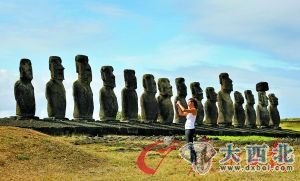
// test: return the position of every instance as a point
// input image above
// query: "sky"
(253, 41)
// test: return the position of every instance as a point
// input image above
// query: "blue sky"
(253, 41)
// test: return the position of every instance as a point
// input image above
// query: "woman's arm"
(180, 109)
(180, 112)
(184, 111)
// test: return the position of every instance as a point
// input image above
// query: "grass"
(22, 157)
(29, 155)
(290, 119)
(293, 125)
(242, 138)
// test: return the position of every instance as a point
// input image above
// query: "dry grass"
(29, 155)
(293, 125)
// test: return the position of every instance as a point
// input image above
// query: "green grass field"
(293, 124)
(30, 155)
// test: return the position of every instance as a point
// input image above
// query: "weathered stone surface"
(250, 121)
(262, 113)
(181, 95)
(55, 90)
(166, 111)
(129, 97)
(148, 102)
(210, 107)
(115, 128)
(262, 86)
(108, 99)
(24, 91)
(197, 94)
(82, 92)
(273, 111)
(225, 103)
(239, 112)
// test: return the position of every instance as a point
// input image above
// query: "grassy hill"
(29, 155)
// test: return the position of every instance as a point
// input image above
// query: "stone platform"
(65, 127)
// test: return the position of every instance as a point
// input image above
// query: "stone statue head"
(211, 94)
(261, 87)
(197, 92)
(273, 99)
(83, 68)
(164, 87)
(56, 68)
(262, 98)
(149, 83)
(249, 97)
(107, 76)
(130, 79)
(238, 97)
(25, 69)
(226, 82)
(181, 87)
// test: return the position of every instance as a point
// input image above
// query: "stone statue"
(239, 112)
(250, 121)
(262, 113)
(225, 103)
(197, 94)
(148, 102)
(129, 97)
(210, 107)
(166, 112)
(82, 92)
(273, 111)
(108, 99)
(55, 90)
(24, 92)
(181, 95)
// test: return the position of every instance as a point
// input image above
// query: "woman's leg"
(193, 152)
(189, 135)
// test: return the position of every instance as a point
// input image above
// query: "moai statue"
(210, 107)
(129, 97)
(82, 92)
(250, 121)
(24, 92)
(108, 99)
(239, 112)
(148, 102)
(181, 95)
(55, 90)
(262, 113)
(225, 103)
(197, 94)
(273, 111)
(166, 112)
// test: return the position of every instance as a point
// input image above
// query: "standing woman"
(190, 113)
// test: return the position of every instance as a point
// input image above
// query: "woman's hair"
(194, 101)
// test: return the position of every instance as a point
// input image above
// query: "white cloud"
(107, 9)
(246, 68)
(272, 26)
(7, 81)
(40, 27)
